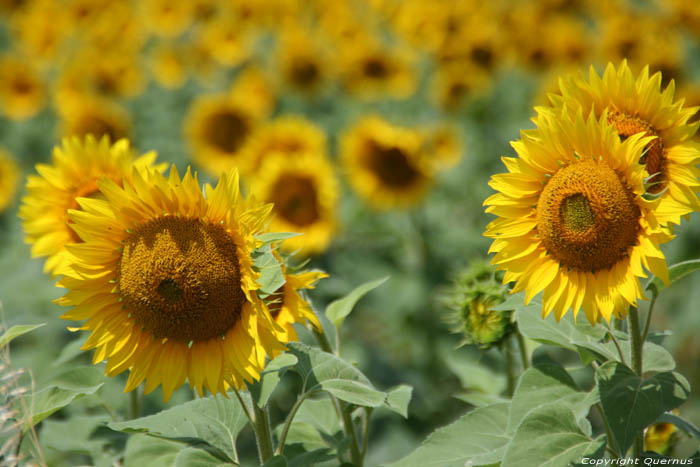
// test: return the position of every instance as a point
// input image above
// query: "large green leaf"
(549, 436)
(75, 435)
(675, 272)
(547, 384)
(192, 457)
(271, 275)
(269, 378)
(275, 237)
(338, 310)
(324, 371)
(211, 423)
(143, 450)
(479, 437)
(16, 331)
(397, 399)
(632, 403)
(585, 339)
(59, 393)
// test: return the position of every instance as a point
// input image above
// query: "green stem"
(355, 454)
(365, 431)
(289, 420)
(608, 432)
(611, 333)
(523, 350)
(637, 345)
(243, 406)
(645, 334)
(323, 341)
(510, 375)
(135, 402)
(263, 436)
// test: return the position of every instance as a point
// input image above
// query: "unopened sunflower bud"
(660, 438)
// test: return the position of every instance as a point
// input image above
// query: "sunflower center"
(392, 166)
(98, 126)
(304, 73)
(653, 158)
(587, 217)
(483, 56)
(226, 130)
(179, 278)
(296, 200)
(375, 68)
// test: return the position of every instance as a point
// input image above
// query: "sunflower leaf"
(565, 441)
(675, 272)
(261, 390)
(211, 423)
(277, 461)
(479, 437)
(150, 451)
(275, 237)
(681, 423)
(191, 457)
(271, 275)
(321, 370)
(339, 309)
(16, 331)
(631, 403)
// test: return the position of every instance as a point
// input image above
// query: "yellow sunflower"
(304, 64)
(639, 105)
(168, 65)
(287, 306)
(385, 163)
(22, 93)
(572, 220)
(9, 176)
(304, 192)
(217, 128)
(165, 279)
(74, 170)
(289, 135)
(253, 86)
(84, 115)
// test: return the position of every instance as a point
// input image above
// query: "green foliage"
(338, 310)
(631, 403)
(675, 272)
(271, 275)
(16, 331)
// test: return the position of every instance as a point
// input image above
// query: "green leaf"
(271, 275)
(192, 457)
(543, 385)
(307, 458)
(277, 461)
(339, 309)
(631, 403)
(61, 391)
(74, 435)
(323, 371)
(681, 423)
(479, 437)
(16, 331)
(211, 423)
(143, 450)
(275, 237)
(70, 351)
(675, 272)
(269, 378)
(549, 436)
(397, 399)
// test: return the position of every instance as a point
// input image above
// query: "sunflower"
(253, 86)
(84, 115)
(456, 81)
(442, 146)
(22, 93)
(288, 135)
(303, 63)
(572, 220)
(304, 192)
(166, 18)
(217, 128)
(75, 168)
(168, 65)
(385, 163)
(165, 279)
(639, 105)
(9, 176)
(287, 306)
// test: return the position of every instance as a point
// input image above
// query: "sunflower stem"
(637, 345)
(645, 334)
(243, 406)
(356, 457)
(288, 422)
(135, 402)
(608, 432)
(510, 374)
(523, 350)
(263, 436)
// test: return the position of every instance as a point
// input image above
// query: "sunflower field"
(303, 233)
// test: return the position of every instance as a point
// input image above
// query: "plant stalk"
(510, 375)
(136, 402)
(637, 345)
(263, 436)
(523, 350)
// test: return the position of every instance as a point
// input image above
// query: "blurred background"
(400, 111)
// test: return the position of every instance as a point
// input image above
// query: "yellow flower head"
(572, 221)
(385, 163)
(639, 106)
(84, 115)
(217, 128)
(304, 192)
(165, 279)
(22, 92)
(9, 176)
(75, 168)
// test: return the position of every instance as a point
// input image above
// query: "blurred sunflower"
(303, 63)
(639, 105)
(39, 30)
(75, 168)
(9, 176)
(166, 282)
(304, 192)
(289, 135)
(81, 116)
(384, 163)
(572, 220)
(217, 128)
(287, 306)
(22, 92)
(226, 41)
(253, 86)
(442, 146)
(166, 18)
(374, 71)
(456, 81)
(168, 65)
